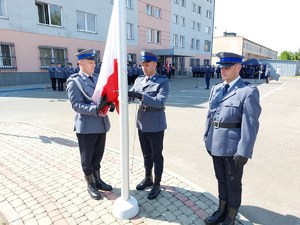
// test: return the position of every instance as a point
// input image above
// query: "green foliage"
(288, 55)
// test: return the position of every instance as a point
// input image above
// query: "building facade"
(35, 33)
(229, 42)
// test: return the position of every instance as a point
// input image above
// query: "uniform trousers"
(91, 148)
(152, 147)
(229, 180)
(53, 83)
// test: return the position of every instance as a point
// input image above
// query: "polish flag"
(108, 78)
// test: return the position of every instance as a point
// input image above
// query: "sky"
(274, 24)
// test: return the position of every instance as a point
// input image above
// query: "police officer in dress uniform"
(90, 127)
(230, 132)
(152, 90)
(51, 71)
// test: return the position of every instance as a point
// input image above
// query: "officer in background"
(89, 126)
(60, 74)
(51, 71)
(230, 133)
(152, 90)
(68, 72)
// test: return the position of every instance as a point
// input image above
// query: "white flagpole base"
(125, 209)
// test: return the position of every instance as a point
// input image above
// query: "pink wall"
(27, 47)
(162, 24)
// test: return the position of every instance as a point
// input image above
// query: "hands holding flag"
(132, 95)
(103, 106)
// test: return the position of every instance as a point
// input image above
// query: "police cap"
(89, 54)
(148, 57)
(228, 59)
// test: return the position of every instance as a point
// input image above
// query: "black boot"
(219, 215)
(155, 190)
(91, 188)
(146, 182)
(100, 184)
(230, 219)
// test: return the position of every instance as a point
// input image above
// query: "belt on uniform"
(217, 124)
(151, 109)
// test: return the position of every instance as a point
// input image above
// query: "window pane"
(5, 55)
(2, 9)
(91, 22)
(80, 20)
(55, 14)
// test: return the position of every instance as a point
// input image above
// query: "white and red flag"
(108, 78)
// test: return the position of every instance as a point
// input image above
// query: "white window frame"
(3, 12)
(149, 10)
(181, 41)
(192, 43)
(129, 4)
(149, 35)
(157, 37)
(129, 31)
(194, 6)
(87, 27)
(197, 44)
(158, 12)
(48, 20)
(207, 46)
(193, 25)
(208, 29)
(199, 26)
(175, 40)
(208, 14)
(176, 19)
(182, 21)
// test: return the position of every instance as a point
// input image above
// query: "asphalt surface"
(271, 181)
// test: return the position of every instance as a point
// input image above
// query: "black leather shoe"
(146, 182)
(219, 215)
(230, 219)
(92, 189)
(155, 190)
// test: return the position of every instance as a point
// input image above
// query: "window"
(7, 56)
(194, 7)
(208, 30)
(149, 35)
(176, 1)
(182, 21)
(199, 9)
(198, 44)
(86, 21)
(129, 4)
(157, 37)
(52, 54)
(129, 31)
(207, 46)
(183, 3)
(2, 9)
(193, 25)
(49, 14)
(149, 10)
(208, 14)
(181, 41)
(175, 40)
(192, 43)
(198, 26)
(158, 12)
(176, 18)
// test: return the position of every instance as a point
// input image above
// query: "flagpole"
(125, 207)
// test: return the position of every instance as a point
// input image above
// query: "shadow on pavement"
(267, 217)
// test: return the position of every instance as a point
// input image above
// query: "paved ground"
(41, 180)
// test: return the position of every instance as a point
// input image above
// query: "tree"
(288, 55)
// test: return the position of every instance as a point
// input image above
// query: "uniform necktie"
(225, 89)
(91, 78)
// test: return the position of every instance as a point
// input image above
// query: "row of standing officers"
(231, 128)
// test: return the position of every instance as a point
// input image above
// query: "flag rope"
(134, 138)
